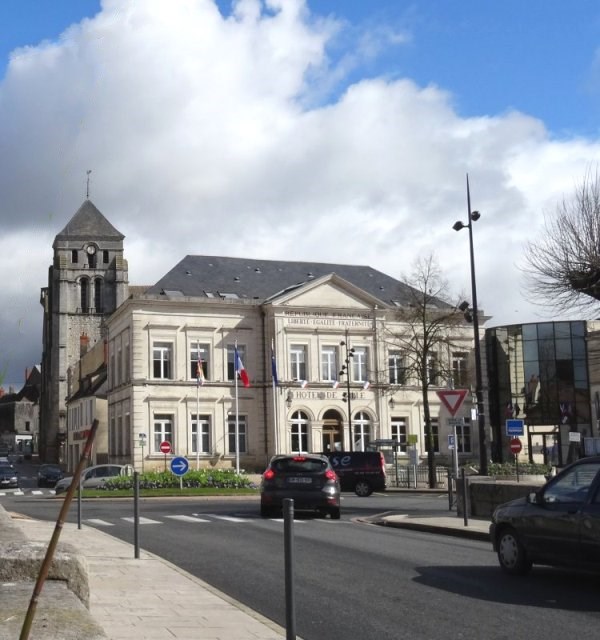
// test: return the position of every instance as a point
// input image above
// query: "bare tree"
(427, 325)
(563, 266)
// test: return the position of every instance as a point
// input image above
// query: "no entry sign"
(515, 446)
(165, 447)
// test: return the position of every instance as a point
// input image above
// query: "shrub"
(210, 478)
(525, 468)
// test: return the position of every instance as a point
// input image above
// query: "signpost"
(452, 399)
(165, 447)
(142, 443)
(179, 467)
(515, 449)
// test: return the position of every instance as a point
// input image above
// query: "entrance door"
(333, 439)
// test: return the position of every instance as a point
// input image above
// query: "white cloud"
(197, 131)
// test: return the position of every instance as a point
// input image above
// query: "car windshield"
(574, 485)
(299, 464)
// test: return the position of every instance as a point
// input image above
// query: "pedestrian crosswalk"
(198, 518)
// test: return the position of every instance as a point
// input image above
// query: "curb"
(428, 528)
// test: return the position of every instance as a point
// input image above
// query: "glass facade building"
(538, 373)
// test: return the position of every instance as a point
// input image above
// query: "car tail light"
(299, 459)
(382, 460)
(330, 474)
(269, 474)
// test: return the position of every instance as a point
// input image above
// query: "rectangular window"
(459, 370)
(162, 431)
(230, 359)
(298, 362)
(241, 433)
(127, 364)
(435, 433)
(27, 425)
(299, 437)
(329, 364)
(399, 433)
(119, 379)
(202, 349)
(397, 367)
(127, 442)
(162, 356)
(74, 256)
(433, 370)
(359, 364)
(105, 256)
(463, 435)
(201, 434)
(119, 443)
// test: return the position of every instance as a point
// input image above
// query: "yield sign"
(452, 399)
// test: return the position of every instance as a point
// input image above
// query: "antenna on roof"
(87, 189)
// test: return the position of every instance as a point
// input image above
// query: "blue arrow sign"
(180, 466)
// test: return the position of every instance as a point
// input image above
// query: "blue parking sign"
(515, 427)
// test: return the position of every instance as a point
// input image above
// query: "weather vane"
(87, 189)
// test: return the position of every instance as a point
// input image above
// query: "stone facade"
(154, 395)
(86, 283)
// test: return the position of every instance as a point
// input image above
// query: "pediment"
(330, 291)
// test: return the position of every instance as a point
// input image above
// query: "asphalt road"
(353, 581)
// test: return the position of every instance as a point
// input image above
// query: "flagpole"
(198, 411)
(275, 418)
(237, 417)
(275, 412)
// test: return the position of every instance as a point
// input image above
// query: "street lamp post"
(457, 226)
(346, 370)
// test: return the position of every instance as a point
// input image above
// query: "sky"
(337, 131)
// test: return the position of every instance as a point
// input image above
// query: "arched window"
(84, 289)
(362, 431)
(98, 297)
(299, 432)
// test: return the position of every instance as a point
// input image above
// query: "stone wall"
(485, 494)
(62, 608)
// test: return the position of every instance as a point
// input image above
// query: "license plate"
(300, 480)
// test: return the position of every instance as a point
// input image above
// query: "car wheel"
(363, 489)
(335, 513)
(511, 553)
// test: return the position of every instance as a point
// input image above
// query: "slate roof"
(88, 223)
(214, 277)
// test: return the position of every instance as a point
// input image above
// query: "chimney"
(84, 342)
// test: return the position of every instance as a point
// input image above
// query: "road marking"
(282, 520)
(227, 518)
(143, 520)
(187, 518)
(37, 493)
(100, 523)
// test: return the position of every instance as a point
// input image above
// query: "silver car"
(93, 477)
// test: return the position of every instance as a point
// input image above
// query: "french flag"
(336, 384)
(240, 370)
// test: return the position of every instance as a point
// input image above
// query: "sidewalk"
(149, 598)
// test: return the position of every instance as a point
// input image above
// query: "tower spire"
(87, 188)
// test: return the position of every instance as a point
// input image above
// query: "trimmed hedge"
(209, 478)
(525, 468)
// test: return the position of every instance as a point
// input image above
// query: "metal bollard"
(288, 535)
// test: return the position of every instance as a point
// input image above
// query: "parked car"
(306, 478)
(360, 471)
(557, 525)
(9, 478)
(48, 475)
(93, 477)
